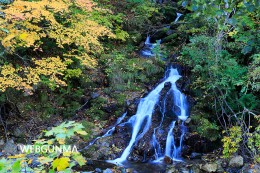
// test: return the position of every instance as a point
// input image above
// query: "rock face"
(236, 162)
(210, 167)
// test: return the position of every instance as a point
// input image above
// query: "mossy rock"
(170, 38)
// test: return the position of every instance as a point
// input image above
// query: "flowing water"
(177, 18)
(142, 120)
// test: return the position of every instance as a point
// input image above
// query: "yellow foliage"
(16, 156)
(26, 78)
(29, 22)
(61, 163)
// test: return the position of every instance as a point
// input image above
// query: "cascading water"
(177, 18)
(142, 120)
(147, 51)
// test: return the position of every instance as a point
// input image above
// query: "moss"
(171, 37)
(120, 98)
(95, 112)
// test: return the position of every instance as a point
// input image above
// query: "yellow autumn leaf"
(82, 132)
(30, 161)
(67, 154)
(23, 36)
(50, 141)
(232, 33)
(61, 163)
(61, 141)
(16, 156)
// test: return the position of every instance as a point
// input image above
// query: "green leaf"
(16, 167)
(80, 159)
(5, 30)
(51, 171)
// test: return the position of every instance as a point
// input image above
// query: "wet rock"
(111, 108)
(18, 132)
(94, 95)
(195, 155)
(172, 169)
(129, 170)
(108, 171)
(98, 170)
(219, 163)
(210, 167)
(128, 102)
(196, 168)
(167, 160)
(10, 148)
(188, 120)
(236, 162)
(2, 142)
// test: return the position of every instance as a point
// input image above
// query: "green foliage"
(95, 112)
(223, 52)
(254, 73)
(59, 161)
(205, 128)
(130, 73)
(88, 127)
(65, 130)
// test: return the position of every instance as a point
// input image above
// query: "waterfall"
(142, 120)
(170, 141)
(177, 18)
(147, 51)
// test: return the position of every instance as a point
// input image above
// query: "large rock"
(210, 167)
(10, 148)
(195, 155)
(219, 162)
(236, 162)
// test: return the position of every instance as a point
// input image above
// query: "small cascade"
(109, 132)
(141, 122)
(170, 141)
(177, 153)
(178, 16)
(147, 50)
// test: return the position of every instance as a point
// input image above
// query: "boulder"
(219, 163)
(172, 169)
(10, 148)
(210, 167)
(167, 160)
(195, 155)
(236, 162)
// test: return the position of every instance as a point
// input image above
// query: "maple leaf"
(61, 163)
